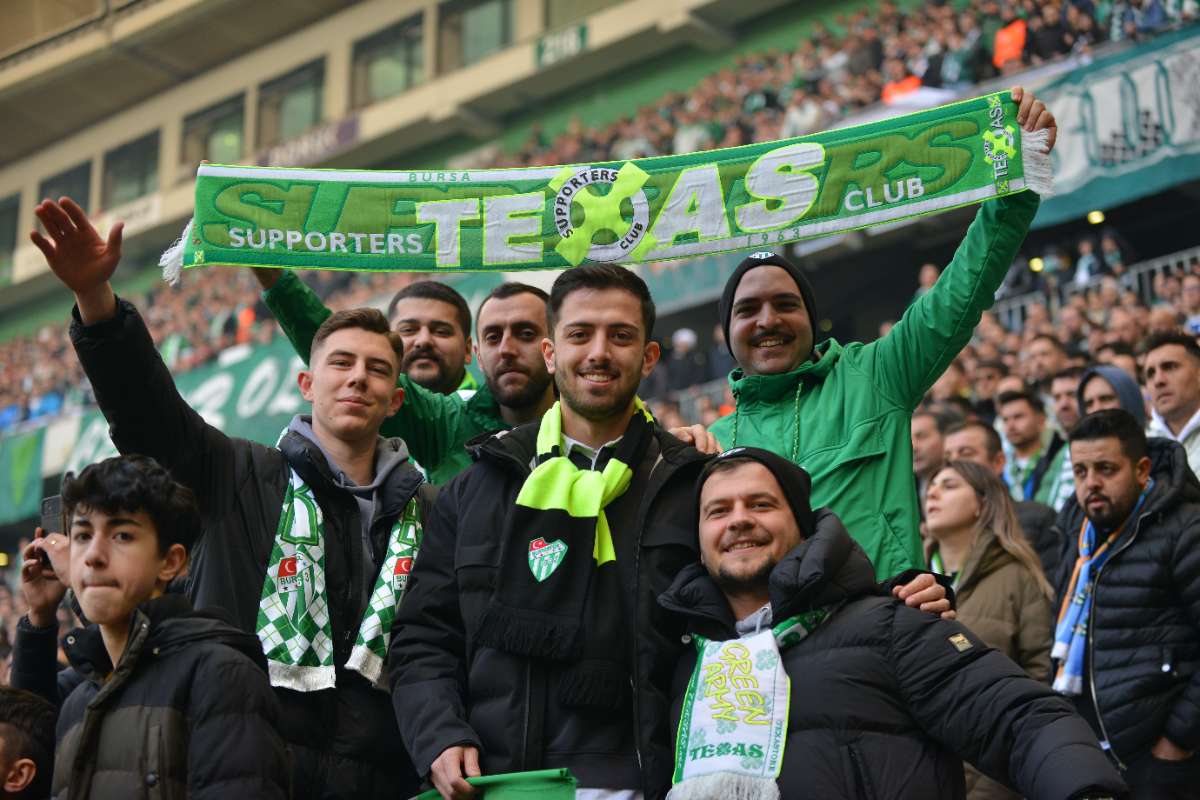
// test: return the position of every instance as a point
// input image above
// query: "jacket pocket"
(476, 566)
(864, 441)
(860, 776)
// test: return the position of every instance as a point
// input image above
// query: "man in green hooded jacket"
(842, 411)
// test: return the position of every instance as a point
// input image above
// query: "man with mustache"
(1127, 644)
(529, 637)
(842, 412)
(439, 416)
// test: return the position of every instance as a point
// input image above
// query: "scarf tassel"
(725, 786)
(1035, 156)
(596, 685)
(171, 260)
(528, 634)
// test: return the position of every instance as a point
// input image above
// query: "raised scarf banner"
(650, 209)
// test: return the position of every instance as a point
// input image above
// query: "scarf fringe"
(1035, 156)
(528, 634)
(594, 684)
(171, 260)
(725, 786)
(301, 679)
(365, 662)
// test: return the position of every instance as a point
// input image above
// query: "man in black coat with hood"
(1130, 657)
(884, 701)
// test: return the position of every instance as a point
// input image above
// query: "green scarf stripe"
(650, 209)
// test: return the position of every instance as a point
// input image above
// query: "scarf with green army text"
(556, 542)
(293, 613)
(734, 720)
(648, 209)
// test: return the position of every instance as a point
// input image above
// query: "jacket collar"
(771, 388)
(484, 410)
(827, 569)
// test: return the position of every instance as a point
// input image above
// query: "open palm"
(74, 251)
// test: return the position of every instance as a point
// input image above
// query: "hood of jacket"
(390, 454)
(771, 388)
(825, 570)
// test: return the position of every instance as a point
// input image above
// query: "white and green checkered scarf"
(293, 613)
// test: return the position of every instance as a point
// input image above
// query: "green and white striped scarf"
(293, 612)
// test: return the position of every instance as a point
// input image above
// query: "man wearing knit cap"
(843, 411)
(803, 679)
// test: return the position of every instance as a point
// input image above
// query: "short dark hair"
(1054, 340)
(1118, 348)
(1157, 340)
(367, 319)
(994, 445)
(943, 416)
(1034, 401)
(1069, 373)
(1114, 423)
(601, 276)
(435, 290)
(509, 289)
(992, 363)
(134, 483)
(27, 728)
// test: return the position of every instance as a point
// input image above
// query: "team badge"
(544, 557)
(289, 577)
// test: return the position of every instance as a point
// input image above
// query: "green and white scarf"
(630, 212)
(293, 612)
(733, 728)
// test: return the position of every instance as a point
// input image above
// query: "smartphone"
(52, 522)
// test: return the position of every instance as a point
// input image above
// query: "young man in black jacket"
(804, 678)
(306, 544)
(1127, 648)
(530, 637)
(166, 701)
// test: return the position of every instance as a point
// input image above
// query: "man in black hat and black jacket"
(803, 674)
(842, 412)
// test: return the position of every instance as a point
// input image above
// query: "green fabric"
(856, 400)
(21, 475)
(644, 210)
(435, 427)
(547, 784)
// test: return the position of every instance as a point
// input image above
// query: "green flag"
(21, 475)
(547, 784)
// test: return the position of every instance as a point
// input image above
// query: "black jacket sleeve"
(1183, 724)
(427, 656)
(146, 413)
(234, 747)
(35, 664)
(980, 705)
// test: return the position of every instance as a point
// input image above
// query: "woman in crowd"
(1000, 590)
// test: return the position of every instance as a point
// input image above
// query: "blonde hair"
(998, 514)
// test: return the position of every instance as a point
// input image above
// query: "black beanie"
(765, 258)
(795, 482)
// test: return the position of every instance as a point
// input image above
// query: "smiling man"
(842, 412)
(301, 541)
(436, 425)
(1128, 639)
(798, 661)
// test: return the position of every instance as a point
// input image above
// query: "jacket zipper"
(1106, 743)
(528, 710)
(860, 774)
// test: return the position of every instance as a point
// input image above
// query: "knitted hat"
(764, 258)
(795, 482)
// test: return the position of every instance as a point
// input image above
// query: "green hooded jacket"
(436, 427)
(857, 399)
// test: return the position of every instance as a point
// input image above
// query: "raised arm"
(939, 324)
(981, 706)
(133, 387)
(427, 421)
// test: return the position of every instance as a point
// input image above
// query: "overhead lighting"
(3, 559)
(1036, 264)
(825, 325)
(1095, 217)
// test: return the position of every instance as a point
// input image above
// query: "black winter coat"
(188, 712)
(240, 486)
(888, 701)
(450, 691)
(1038, 523)
(1143, 657)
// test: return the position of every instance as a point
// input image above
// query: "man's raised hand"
(1032, 115)
(78, 256)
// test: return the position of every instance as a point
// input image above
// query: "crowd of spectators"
(854, 61)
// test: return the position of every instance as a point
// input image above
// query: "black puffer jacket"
(188, 712)
(1039, 524)
(449, 690)
(1144, 649)
(344, 740)
(884, 703)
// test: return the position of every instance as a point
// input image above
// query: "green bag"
(546, 784)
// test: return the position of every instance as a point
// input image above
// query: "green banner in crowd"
(21, 468)
(651, 209)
